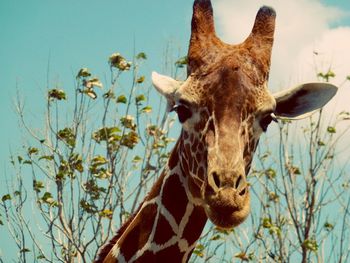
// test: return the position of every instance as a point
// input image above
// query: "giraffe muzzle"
(227, 198)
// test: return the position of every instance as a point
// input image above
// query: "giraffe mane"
(108, 247)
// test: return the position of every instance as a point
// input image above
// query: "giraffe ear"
(303, 100)
(166, 86)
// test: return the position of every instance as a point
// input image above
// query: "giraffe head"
(224, 105)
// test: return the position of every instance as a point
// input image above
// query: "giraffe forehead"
(233, 80)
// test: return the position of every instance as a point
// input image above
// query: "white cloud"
(302, 28)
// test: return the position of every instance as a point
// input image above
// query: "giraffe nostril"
(238, 181)
(216, 179)
(241, 193)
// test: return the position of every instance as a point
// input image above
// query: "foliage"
(87, 173)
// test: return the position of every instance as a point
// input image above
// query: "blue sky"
(64, 36)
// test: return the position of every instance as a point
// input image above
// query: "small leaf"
(295, 170)
(328, 226)
(67, 136)
(109, 95)
(181, 62)
(146, 109)
(106, 213)
(310, 244)
(83, 73)
(98, 160)
(90, 92)
(130, 140)
(47, 157)
(331, 129)
(136, 159)
(270, 173)
(320, 143)
(6, 197)
(140, 79)
(48, 199)
(24, 250)
(266, 222)
(37, 186)
(32, 150)
(140, 98)
(57, 94)
(116, 60)
(94, 82)
(141, 55)
(242, 256)
(128, 122)
(122, 99)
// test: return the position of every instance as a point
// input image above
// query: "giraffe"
(224, 105)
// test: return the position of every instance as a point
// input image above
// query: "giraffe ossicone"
(224, 105)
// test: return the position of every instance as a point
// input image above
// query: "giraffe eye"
(183, 112)
(266, 120)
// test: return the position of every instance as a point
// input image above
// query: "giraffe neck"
(167, 225)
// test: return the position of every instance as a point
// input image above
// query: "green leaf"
(116, 60)
(67, 136)
(32, 150)
(122, 99)
(140, 98)
(270, 173)
(48, 199)
(328, 226)
(106, 213)
(331, 129)
(90, 92)
(130, 139)
(266, 223)
(98, 160)
(6, 197)
(147, 109)
(76, 162)
(310, 244)
(273, 197)
(47, 157)
(37, 186)
(141, 55)
(215, 237)
(242, 256)
(128, 122)
(140, 79)
(109, 95)
(320, 143)
(83, 73)
(110, 134)
(199, 250)
(136, 159)
(93, 82)
(295, 170)
(57, 94)
(181, 62)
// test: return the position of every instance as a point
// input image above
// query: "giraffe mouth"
(227, 207)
